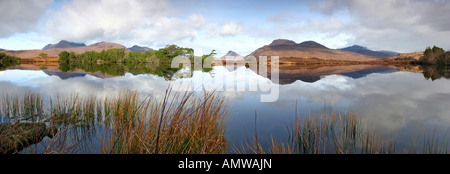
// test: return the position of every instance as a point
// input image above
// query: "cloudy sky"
(242, 26)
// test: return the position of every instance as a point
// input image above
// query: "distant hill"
(101, 46)
(389, 53)
(53, 52)
(366, 51)
(308, 49)
(311, 44)
(232, 55)
(139, 48)
(63, 44)
(282, 42)
(407, 56)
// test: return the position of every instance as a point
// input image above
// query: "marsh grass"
(73, 109)
(28, 108)
(63, 142)
(331, 133)
(431, 144)
(342, 133)
(181, 123)
(128, 123)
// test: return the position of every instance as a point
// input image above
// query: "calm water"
(399, 103)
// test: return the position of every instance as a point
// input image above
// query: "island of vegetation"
(117, 61)
(7, 61)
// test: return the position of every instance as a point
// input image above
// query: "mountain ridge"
(139, 48)
(63, 44)
(309, 49)
(53, 52)
(365, 51)
(231, 55)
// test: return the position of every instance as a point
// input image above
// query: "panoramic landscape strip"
(224, 77)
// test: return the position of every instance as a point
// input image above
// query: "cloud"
(137, 21)
(225, 29)
(393, 13)
(281, 18)
(166, 30)
(327, 30)
(404, 25)
(382, 99)
(20, 16)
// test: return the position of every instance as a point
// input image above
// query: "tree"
(43, 55)
(7, 61)
(435, 56)
(66, 56)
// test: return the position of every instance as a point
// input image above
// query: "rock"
(16, 137)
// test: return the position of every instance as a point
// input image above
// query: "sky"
(241, 26)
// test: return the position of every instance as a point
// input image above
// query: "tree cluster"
(119, 55)
(435, 56)
(7, 61)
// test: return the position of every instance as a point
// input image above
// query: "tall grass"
(182, 123)
(328, 134)
(179, 123)
(75, 110)
(336, 133)
(28, 108)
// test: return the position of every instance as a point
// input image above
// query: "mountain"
(389, 53)
(53, 52)
(63, 44)
(311, 44)
(100, 46)
(365, 51)
(290, 52)
(231, 55)
(282, 42)
(139, 48)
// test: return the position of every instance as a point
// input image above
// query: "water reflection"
(436, 72)
(311, 73)
(399, 103)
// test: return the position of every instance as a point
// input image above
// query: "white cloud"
(225, 29)
(327, 31)
(165, 30)
(396, 24)
(137, 21)
(20, 16)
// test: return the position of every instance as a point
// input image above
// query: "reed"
(63, 142)
(331, 133)
(128, 123)
(431, 144)
(339, 134)
(181, 123)
(28, 108)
